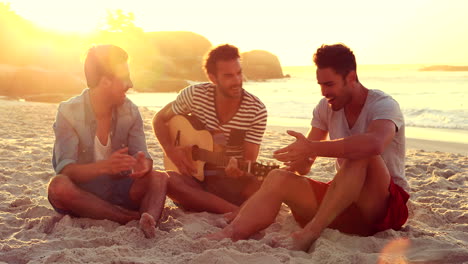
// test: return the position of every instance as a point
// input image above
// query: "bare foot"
(302, 240)
(230, 216)
(224, 233)
(148, 225)
(281, 241)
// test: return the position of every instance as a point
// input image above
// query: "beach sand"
(31, 231)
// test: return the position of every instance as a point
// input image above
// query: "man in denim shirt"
(100, 156)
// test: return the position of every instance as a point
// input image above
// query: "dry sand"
(31, 231)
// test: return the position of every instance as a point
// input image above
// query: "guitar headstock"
(261, 170)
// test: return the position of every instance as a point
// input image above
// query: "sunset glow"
(403, 32)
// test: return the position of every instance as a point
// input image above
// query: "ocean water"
(434, 104)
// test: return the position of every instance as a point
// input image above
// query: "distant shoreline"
(418, 67)
(444, 68)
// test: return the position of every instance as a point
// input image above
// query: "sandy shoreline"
(30, 231)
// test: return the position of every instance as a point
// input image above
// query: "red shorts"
(351, 219)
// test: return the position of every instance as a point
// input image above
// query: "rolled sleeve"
(66, 144)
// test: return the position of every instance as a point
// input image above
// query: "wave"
(433, 118)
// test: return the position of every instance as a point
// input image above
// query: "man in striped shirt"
(237, 120)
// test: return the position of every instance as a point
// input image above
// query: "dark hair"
(220, 53)
(338, 57)
(101, 61)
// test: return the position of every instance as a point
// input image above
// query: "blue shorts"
(114, 191)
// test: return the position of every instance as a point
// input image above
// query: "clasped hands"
(120, 161)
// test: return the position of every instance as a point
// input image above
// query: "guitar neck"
(220, 160)
(217, 158)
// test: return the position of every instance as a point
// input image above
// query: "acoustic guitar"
(182, 132)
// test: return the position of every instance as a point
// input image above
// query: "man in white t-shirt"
(367, 136)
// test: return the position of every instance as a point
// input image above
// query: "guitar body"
(183, 133)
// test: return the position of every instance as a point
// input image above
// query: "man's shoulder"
(322, 105)
(378, 97)
(376, 94)
(79, 99)
(203, 90)
(201, 87)
(72, 106)
(253, 100)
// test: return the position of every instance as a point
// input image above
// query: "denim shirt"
(75, 130)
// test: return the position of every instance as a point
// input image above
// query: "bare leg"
(262, 208)
(186, 191)
(64, 194)
(150, 193)
(364, 182)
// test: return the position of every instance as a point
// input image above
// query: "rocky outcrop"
(162, 62)
(181, 53)
(37, 84)
(261, 65)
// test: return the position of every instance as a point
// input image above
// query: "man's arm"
(378, 135)
(119, 161)
(66, 155)
(251, 151)
(373, 142)
(177, 154)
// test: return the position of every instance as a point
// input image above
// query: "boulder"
(261, 65)
(41, 85)
(181, 54)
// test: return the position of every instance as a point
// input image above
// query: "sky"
(379, 32)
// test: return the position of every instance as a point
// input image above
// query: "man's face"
(334, 87)
(121, 82)
(228, 78)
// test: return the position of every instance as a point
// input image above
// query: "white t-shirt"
(378, 105)
(102, 152)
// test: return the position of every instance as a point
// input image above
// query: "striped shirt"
(248, 124)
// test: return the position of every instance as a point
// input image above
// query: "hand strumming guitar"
(180, 156)
(232, 169)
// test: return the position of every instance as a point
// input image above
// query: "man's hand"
(296, 151)
(180, 156)
(119, 161)
(232, 169)
(141, 167)
(301, 166)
